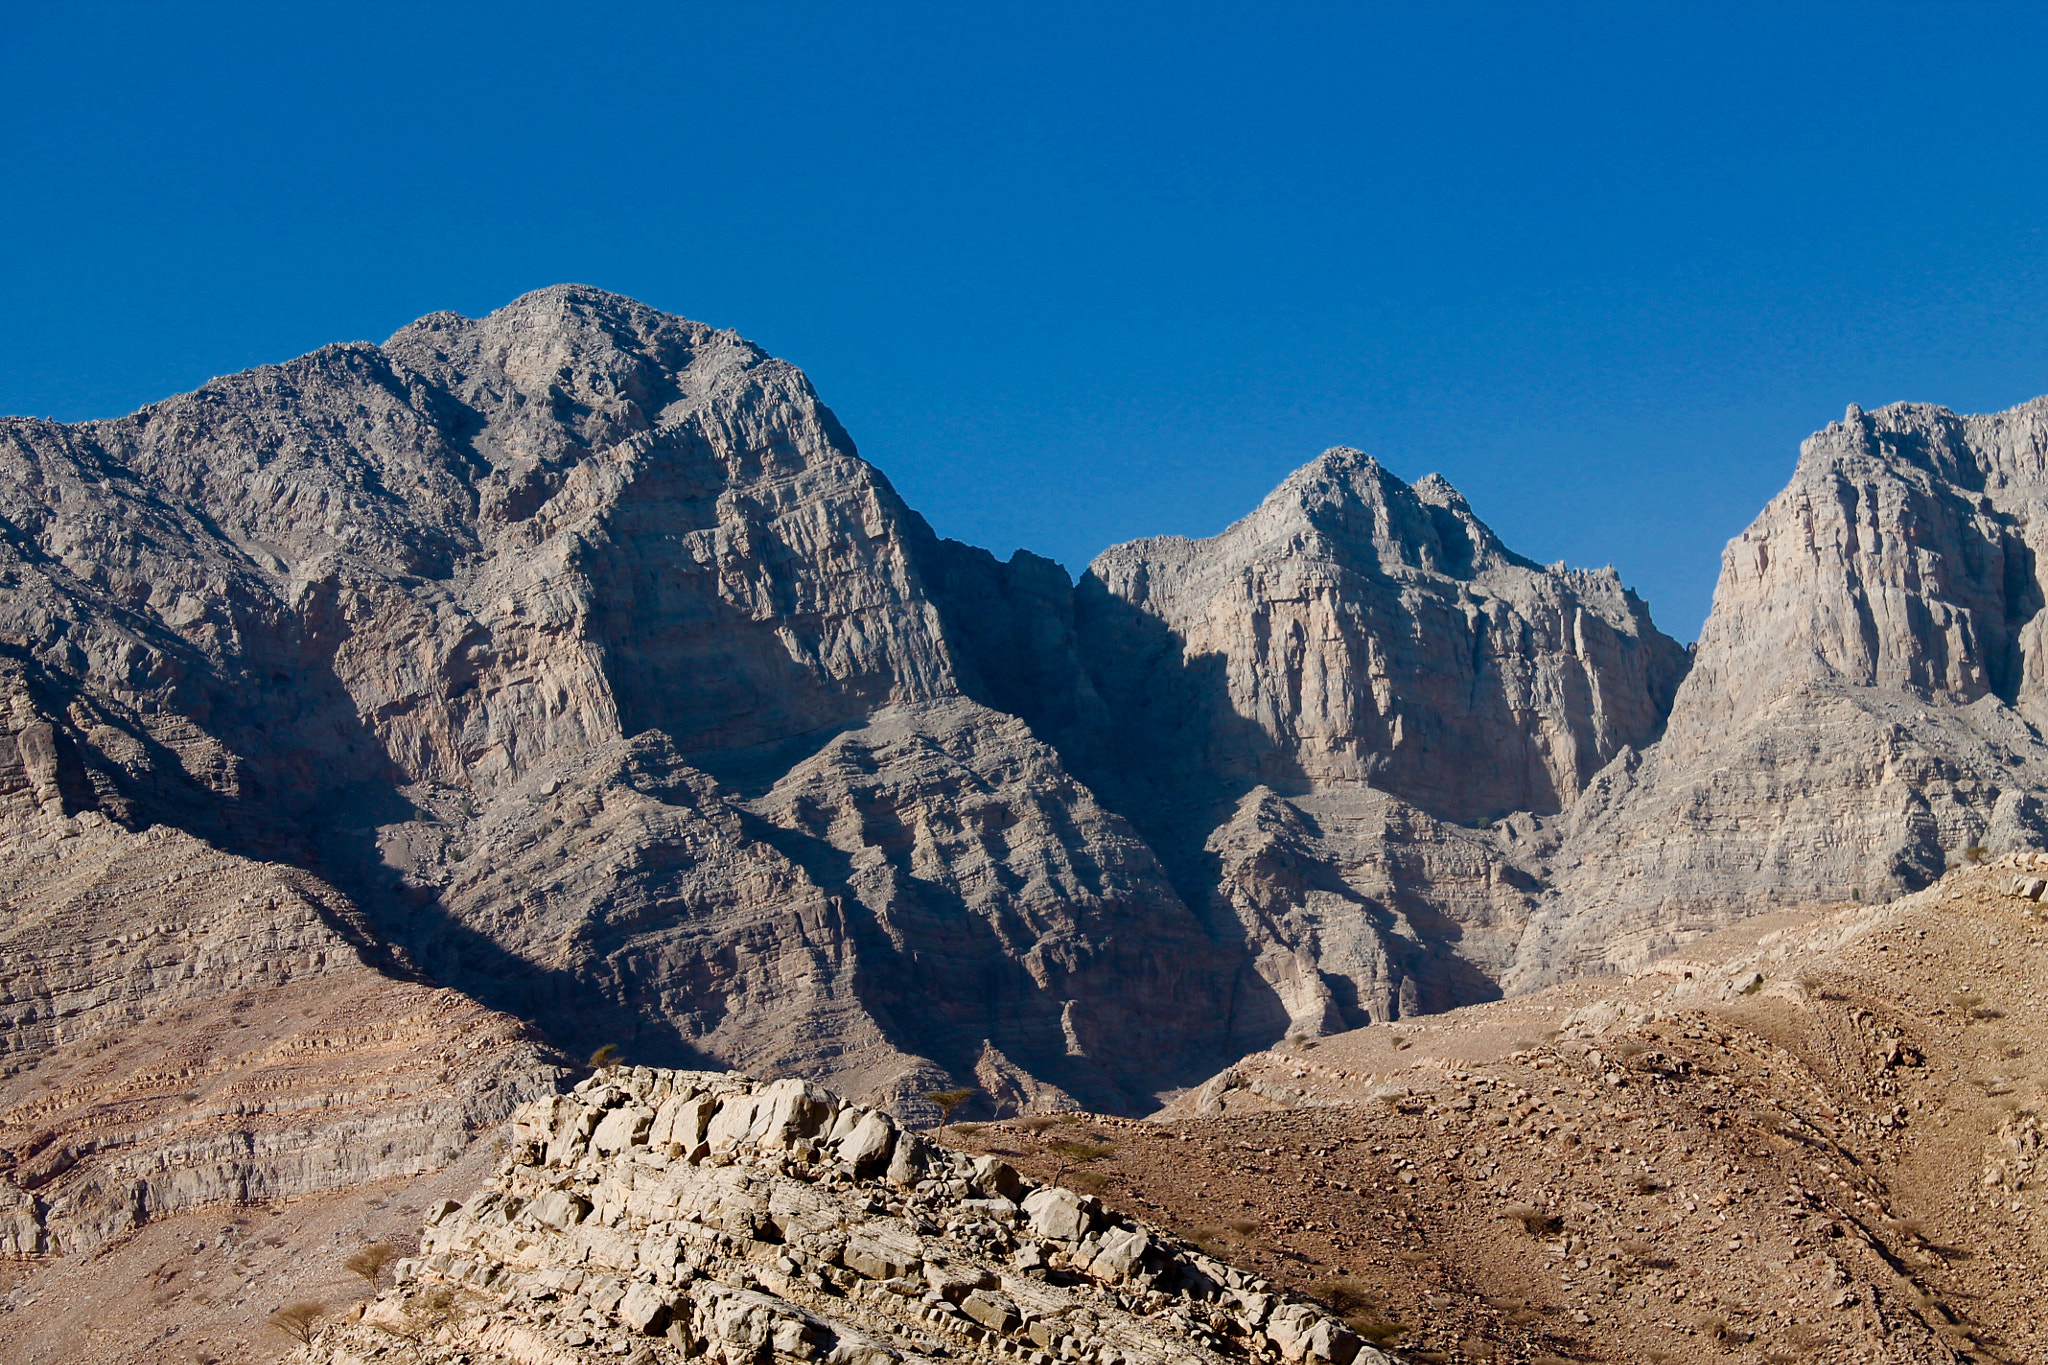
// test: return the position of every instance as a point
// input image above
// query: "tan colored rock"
(1864, 706)
(758, 1250)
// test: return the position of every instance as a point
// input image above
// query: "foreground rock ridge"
(668, 1215)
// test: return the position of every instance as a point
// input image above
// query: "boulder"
(911, 1159)
(996, 1178)
(1331, 1341)
(682, 1121)
(570, 1135)
(620, 1129)
(954, 1283)
(1123, 1253)
(733, 1124)
(793, 1110)
(868, 1146)
(882, 1252)
(1289, 1327)
(644, 1309)
(559, 1209)
(992, 1310)
(1060, 1215)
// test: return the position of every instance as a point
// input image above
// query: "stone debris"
(668, 1215)
(2019, 879)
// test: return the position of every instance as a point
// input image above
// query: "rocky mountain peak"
(1346, 507)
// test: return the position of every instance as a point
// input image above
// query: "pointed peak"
(580, 312)
(1438, 491)
(1337, 473)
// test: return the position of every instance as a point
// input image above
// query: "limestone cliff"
(1324, 717)
(577, 657)
(1864, 708)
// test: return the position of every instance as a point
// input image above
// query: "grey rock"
(827, 1277)
(643, 1309)
(992, 1310)
(1060, 1215)
(558, 1209)
(868, 1147)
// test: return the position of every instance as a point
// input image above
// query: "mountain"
(1865, 704)
(567, 671)
(578, 649)
(383, 731)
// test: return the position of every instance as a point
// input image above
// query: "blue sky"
(1073, 274)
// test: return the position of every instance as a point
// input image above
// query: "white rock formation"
(665, 1215)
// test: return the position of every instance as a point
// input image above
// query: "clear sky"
(1074, 274)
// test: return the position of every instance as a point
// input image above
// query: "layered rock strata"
(579, 649)
(1344, 722)
(1865, 704)
(577, 657)
(661, 1215)
(180, 1027)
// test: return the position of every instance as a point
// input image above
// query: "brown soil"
(1794, 1171)
(1775, 1148)
(200, 1288)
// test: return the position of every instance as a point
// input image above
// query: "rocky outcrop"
(669, 1215)
(1865, 705)
(1355, 629)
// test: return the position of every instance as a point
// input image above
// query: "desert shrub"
(1536, 1222)
(369, 1262)
(1647, 1255)
(297, 1320)
(430, 1310)
(947, 1101)
(1344, 1293)
(604, 1056)
(1381, 1332)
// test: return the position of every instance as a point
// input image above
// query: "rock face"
(1309, 714)
(1865, 705)
(1356, 630)
(578, 648)
(676, 1215)
(182, 1027)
